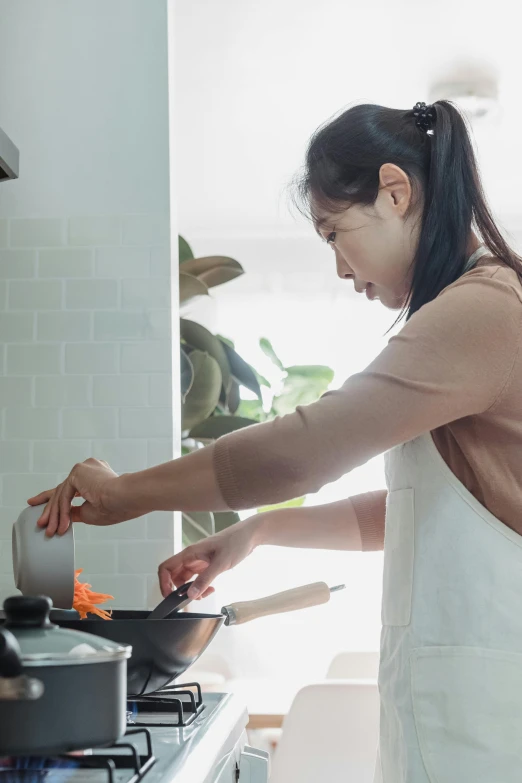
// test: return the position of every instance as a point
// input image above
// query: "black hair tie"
(424, 116)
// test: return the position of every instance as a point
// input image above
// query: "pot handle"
(10, 656)
(14, 685)
(288, 601)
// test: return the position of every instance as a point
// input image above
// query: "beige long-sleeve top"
(455, 369)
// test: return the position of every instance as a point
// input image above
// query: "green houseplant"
(212, 374)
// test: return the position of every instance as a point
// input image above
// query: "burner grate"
(120, 756)
(181, 703)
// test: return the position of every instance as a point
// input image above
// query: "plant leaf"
(316, 372)
(266, 347)
(225, 340)
(197, 525)
(185, 251)
(187, 374)
(200, 266)
(216, 426)
(190, 287)
(224, 519)
(252, 409)
(233, 397)
(204, 392)
(242, 372)
(298, 390)
(198, 337)
(295, 503)
(218, 276)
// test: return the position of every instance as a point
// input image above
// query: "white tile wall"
(85, 370)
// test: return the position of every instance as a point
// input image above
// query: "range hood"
(9, 158)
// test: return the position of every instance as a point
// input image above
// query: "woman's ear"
(395, 190)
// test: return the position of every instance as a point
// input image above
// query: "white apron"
(450, 676)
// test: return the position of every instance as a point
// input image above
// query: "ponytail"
(454, 204)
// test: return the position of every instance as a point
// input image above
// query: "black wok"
(162, 650)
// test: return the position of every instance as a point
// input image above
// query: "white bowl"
(43, 565)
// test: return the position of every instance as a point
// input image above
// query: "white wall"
(85, 268)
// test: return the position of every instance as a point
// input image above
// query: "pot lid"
(45, 644)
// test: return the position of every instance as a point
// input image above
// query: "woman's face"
(375, 246)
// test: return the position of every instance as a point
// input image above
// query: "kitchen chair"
(354, 666)
(329, 734)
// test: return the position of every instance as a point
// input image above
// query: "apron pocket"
(467, 704)
(398, 557)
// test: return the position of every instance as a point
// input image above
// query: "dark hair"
(342, 166)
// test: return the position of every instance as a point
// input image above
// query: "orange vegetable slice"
(86, 601)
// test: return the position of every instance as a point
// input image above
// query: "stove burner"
(182, 703)
(120, 756)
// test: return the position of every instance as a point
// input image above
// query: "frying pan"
(162, 650)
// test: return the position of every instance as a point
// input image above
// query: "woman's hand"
(209, 558)
(94, 481)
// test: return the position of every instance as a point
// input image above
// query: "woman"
(397, 196)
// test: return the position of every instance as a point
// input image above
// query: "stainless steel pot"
(60, 690)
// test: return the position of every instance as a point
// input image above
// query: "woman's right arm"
(330, 526)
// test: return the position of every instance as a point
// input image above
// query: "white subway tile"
(95, 557)
(8, 516)
(15, 456)
(142, 557)
(129, 591)
(160, 526)
(31, 423)
(154, 293)
(132, 530)
(95, 358)
(82, 533)
(120, 390)
(97, 230)
(129, 325)
(38, 359)
(37, 232)
(3, 232)
(16, 327)
(59, 456)
(18, 487)
(160, 262)
(66, 262)
(91, 294)
(17, 264)
(90, 422)
(145, 422)
(116, 325)
(56, 391)
(146, 357)
(7, 587)
(146, 230)
(159, 325)
(154, 596)
(160, 390)
(63, 327)
(6, 557)
(159, 451)
(122, 262)
(124, 456)
(16, 392)
(35, 295)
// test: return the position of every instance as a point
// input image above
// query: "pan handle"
(288, 601)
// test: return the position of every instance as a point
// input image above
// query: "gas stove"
(176, 736)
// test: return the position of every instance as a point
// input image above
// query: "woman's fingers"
(67, 496)
(43, 497)
(178, 570)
